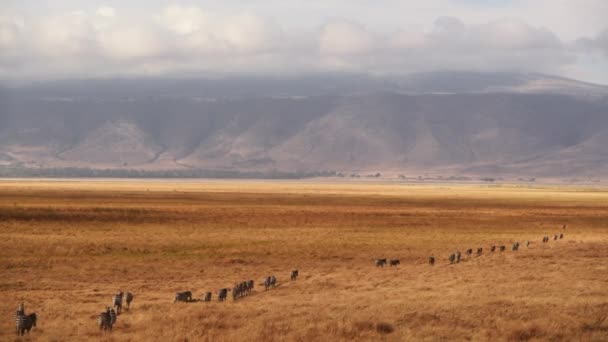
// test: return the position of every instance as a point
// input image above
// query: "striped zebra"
(271, 281)
(222, 294)
(105, 320)
(250, 285)
(112, 316)
(183, 297)
(117, 302)
(24, 323)
(128, 299)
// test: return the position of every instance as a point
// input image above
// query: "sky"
(64, 39)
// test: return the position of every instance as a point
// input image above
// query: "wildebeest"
(271, 281)
(555, 237)
(222, 294)
(117, 302)
(128, 299)
(502, 248)
(545, 239)
(394, 262)
(185, 296)
(105, 320)
(479, 251)
(380, 262)
(458, 256)
(207, 297)
(493, 248)
(294, 275)
(564, 227)
(515, 246)
(527, 243)
(431, 260)
(452, 258)
(469, 251)
(561, 236)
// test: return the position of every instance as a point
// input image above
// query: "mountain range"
(450, 123)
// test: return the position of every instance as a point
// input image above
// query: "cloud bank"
(191, 40)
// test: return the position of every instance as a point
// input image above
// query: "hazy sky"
(50, 39)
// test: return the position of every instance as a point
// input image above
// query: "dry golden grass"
(66, 247)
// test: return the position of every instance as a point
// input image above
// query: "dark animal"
(555, 237)
(128, 299)
(432, 260)
(502, 248)
(380, 262)
(250, 285)
(270, 281)
(452, 258)
(564, 227)
(545, 239)
(294, 274)
(527, 243)
(105, 320)
(515, 246)
(458, 256)
(479, 251)
(207, 297)
(469, 251)
(493, 249)
(222, 294)
(561, 236)
(112, 316)
(394, 262)
(24, 323)
(117, 302)
(183, 297)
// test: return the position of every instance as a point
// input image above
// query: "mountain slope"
(477, 131)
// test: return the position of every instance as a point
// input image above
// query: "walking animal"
(432, 260)
(294, 275)
(185, 296)
(394, 262)
(380, 262)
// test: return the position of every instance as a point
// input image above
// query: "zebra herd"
(391, 262)
(23, 322)
(240, 290)
(107, 318)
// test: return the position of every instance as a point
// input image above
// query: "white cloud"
(106, 12)
(178, 38)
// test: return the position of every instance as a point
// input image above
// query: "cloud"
(178, 39)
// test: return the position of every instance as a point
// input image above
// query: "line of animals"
(240, 289)
(456, 257)
(106, 319)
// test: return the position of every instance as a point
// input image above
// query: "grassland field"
(67, 247)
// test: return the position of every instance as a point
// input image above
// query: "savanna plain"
(66, 247)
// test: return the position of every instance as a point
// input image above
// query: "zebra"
(222, 294)
(294, 275)
(515, 246)
(469, 251)
(24, 323)
(183, 296)
(394, 262)
(458, 255)
(493, 248)
(479, 251)
(235, 292)
(380, 262)
(431, 260)
(250, 284)
(561, 236)
(117, 302)
(270, 281)
(112, 316)
(105, 320)
(502, 248)
(207, 297)
(452, 258)
(128, 299)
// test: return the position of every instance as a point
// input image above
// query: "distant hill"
(445, 122)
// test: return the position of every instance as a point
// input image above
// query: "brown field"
(66, 247)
